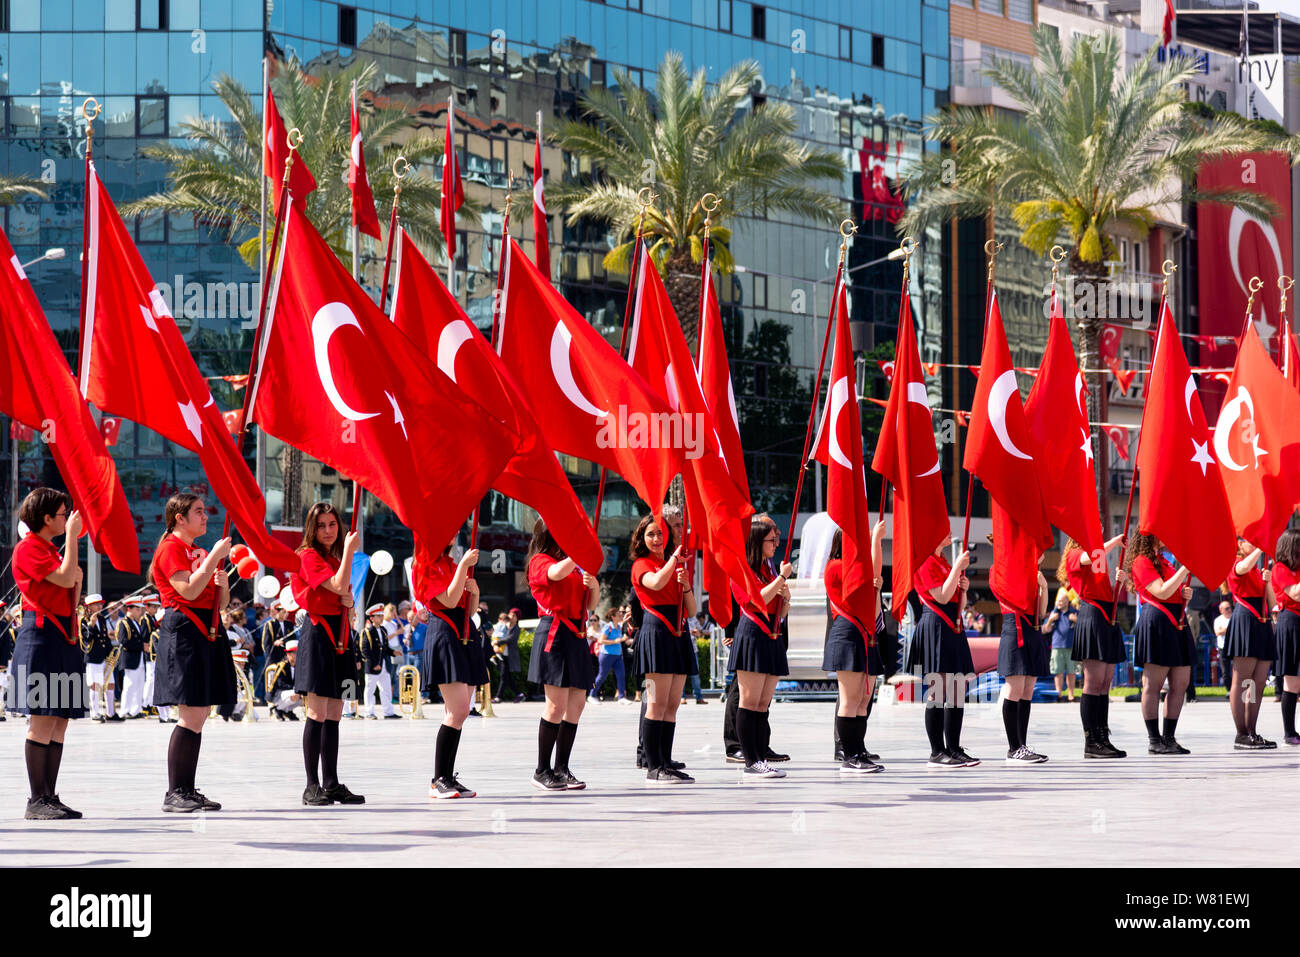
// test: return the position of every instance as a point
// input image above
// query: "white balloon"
(268, 586)
(381, 562)
(287, 599)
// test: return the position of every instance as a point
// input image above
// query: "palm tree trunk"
(1090, 329)
(683, 285)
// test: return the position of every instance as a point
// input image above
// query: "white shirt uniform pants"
(382, 683)
(133, 680)
(286, 703)
(95, 676)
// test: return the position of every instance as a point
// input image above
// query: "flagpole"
(451, 259)
(83, 347)
(645, 201)
(1284, 284)
(358, 493)
(908, 246)
(259, 439)
(991, 248)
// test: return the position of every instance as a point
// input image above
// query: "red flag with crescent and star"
(1183, 502)
(453, 193)
(363, 201)
(541, 232)
(135, 363)
(414, 439)
(907, 457)
(275, 150)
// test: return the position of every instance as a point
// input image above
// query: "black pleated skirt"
(1096, 639)
(937, 649)
(47, 676)
(752, 649)
(847, 650)
(1030, 658)
(1158, 641)
(658, 651)
(1248, 637)
(569, 663)
(448, 660)
(690, 652)
(1288, 644)
(321, 670)
(189, 669)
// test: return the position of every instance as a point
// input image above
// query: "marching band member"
(374, 647)
(153, 619)
(193, 668)
(1286, 588)
(661, 655)
(1022, 657)
(47, 661)
(322, 587)
(1250, 644)
(275, 633)
(853, 654)
(758, 655)
(453, 657)
(1098, 644)
(97, 643)
(132, 633)
(279, 684)
(1158, 645)
(940, 653)
(561, 661)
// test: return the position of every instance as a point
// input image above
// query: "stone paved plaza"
(1141, 811)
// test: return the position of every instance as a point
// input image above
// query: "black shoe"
(681, 777)
(735, 757)
(182, 802)
(1264, 742)
(315, 796)
(640, 763)
(116, 717)
(97, 719)
(547, 781)
(869, 756)
(860, 764)
(208, 803)
(676, 765)
(944, 761)
(1114, 751)
(279, 715)
(701, 700)
(446, 789)
(392, 717)
(340, 794)
(1094, 746)
(839, 755)
(54, 799)
(1246, 742)
(772, 756)
(570, 782)
(44, 809)
(1174, 746)
(290, 716)
(1158, 746)
(474, 713)
(966, 760)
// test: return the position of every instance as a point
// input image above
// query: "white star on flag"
(148, 318)
(1202, 455)
(192, 421)
(1086, 448)
(397, 414)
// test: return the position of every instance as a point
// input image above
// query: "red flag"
(426, 312)
(839, 448)
(999, 448)
(1014, 575)
(906, 456)
(716, 507)
(231, 419)
(541, 231)
(363, 201)
(595, 406)
(887, 367)
(135, 364)
(1167, 24)
(1183, 501)
(1118, 436)
(414, 440)
(1123, 376)
(1290, 356)
(1057, 414)
(1258, 446)
(38, 391)
(275, 150)
(453, 194)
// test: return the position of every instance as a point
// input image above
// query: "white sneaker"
(761, 769)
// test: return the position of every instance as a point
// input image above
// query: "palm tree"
(1096, 151)
(216, 176)
(14, 188)
(691, 139)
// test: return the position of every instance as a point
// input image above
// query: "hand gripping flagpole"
(908, 247)
(991, 249)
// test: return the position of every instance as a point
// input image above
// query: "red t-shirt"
(668, 595)
(313, 571)
(932, 574)
(834, 578)
(566, 597)
(435, 580)
(1249, 585)
(1144, 572)
(743, 600)
(1085, 580)
(173, 556)
(34, 559)
(1284, 578)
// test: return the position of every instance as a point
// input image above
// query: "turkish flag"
(1014, 575)
(595, 406)
(231, 419)
(720, 397)
(135, 364)
(839, 448)
(109, 427)
(38, 391)
(414, 439)
(999, 448)
(541, 231)
(275, 150)
(1057, 415)
(453, 193)
(716, 507)
(1258, 446)
(1118, 436)
(1183, 500)
(426, 312)
(363, 201)
(906, 456)
(1167, 24)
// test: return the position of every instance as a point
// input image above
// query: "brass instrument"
(408, 692)
(244, 690)
(273, 675)
(484, 695)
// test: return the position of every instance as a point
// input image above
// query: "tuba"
(408, 692)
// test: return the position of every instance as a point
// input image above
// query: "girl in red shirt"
(47, 675)
(561, 661)
(1159, 648)
(1098, 644)
(660, 654)
(325, 674)
(1286, 588)
(193, 668)
(1250, 644)
(453, 657)
(939, 654)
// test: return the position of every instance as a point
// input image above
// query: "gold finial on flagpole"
(991, 249)
(710, 203)
(294, 140)
(1167, 269)
(847, 229)
(90, 118)
(1057, 255)
(1284, 283)
(908, 247)
(1255, 285)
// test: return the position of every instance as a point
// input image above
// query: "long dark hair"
(1288, 549)
(639, 549)
(309, 527)
(837, 546)
(759, 529)
(543, 543)
(177, 505)
(1142, 546)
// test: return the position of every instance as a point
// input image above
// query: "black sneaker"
(682, 777)
(735, 757)
(208, 803)
(1094, 746)
(1022, 756)
(290, 716)
(444, 789)
(547, 781)
(1264, 742)
(181, 801)
(392, 717)
(772, 756)
(315, 796)
(115, 717)
(1245, 742)
(570, 782)
(860, 764)
(660, 776)
(72, 815)
(340, 794)
(43, 809)
(279, 715)
(944, 761)
(1158, 746)
(1114, 751)
(464, 791)
(97, 718)
(761, 769)
(870, 757)
(1174, 747)
(676, 765)
(966, 760)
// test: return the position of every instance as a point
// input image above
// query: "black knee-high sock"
(53, 758)
(1103, 711)
(1024, 723)
(35, 752)
(1153, 728)
(329, 754)
(934, 727)
(654, 757)
(182, 758)
(1170, 725)
(547, 732)
(952, 718)
(747, 727)
(1011, 722)
(871, 703)
(564, 743)
(311, 742)
(666, 742)
(1088, 712)
(764, 733)
(1288, 713)
(844, 734)
(860, 733)
(444, 752)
